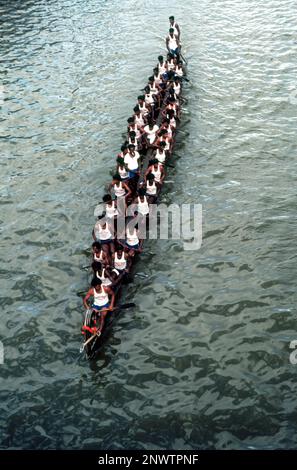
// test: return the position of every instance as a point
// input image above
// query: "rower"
(162, 65)
(177, 85)
(170, 114)
(154, 91)
(172, 43)
(160, 153)
(153, 85)
(150, 100)
(132, 140)
(120, 260)
(122, 169)
(163, 84)
(116, 277)
(170, 75)
(102, 233)
(150, 131)
(157, 170)
(119, 188)
(171, 63)
(124, 150)
(132, 126)
(151, 189)
(171, 106)
(142, 105)
(164, 137)
(179, 71)
(102, 273)
(173, 24)
(142, 203)
(171, 92)
(131, 160)
(166, 125)
(99, 254)
(103, 300)
(157, 77)
(110, 207)
(172, 95)
(139, 118)
(109, 277)
(132, 241)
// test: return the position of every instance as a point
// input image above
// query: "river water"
(203, 361)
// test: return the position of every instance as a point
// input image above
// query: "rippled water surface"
(203, 361)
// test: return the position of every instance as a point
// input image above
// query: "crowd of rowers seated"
(112, 256)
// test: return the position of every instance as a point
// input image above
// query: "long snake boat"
(152, 131)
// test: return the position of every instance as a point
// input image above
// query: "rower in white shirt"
(132, 161)
(172, 43)
(143, 106)
(139, 118)
(150, 132)
(173, 24)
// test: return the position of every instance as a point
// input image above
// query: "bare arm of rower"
(167, 44)
(149, 170)
(88, 295)
(103, 312)
(140, 128)
(139, 250)
(178, 111)
(171, 142)
(126, 187)
(133, 205)
(108, 272)
(111, 293)
(164, 113)
(106, 259)
(149, 108)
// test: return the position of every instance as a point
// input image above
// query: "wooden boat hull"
(93, 348)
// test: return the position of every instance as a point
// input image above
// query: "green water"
(203, 361)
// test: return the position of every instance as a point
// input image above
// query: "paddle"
(81, 292)
(141, 275)
(123, 306)
(185, 78)
(169, 165)
(184, 59)
(183, 132)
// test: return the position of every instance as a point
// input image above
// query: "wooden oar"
(141, 275)
(185, 78)
(183, 132)
(184, 59)
(81, 292)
